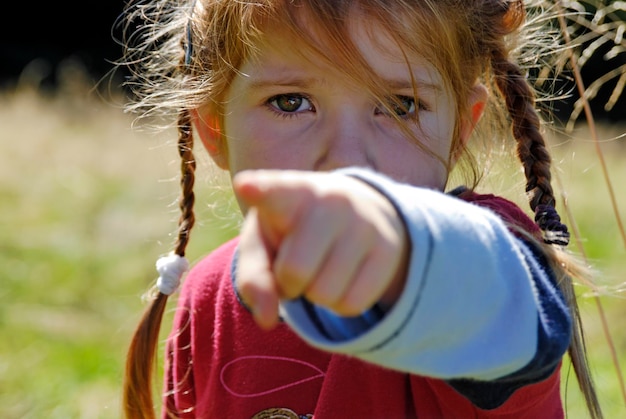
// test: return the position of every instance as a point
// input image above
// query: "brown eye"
(402, 106)
(290, 103)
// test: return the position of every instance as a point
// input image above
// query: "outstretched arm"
(474, 302)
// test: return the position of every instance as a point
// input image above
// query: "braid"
(535, 158)
(188, 169)
(531, 146)
(141, 358)
(142, 352)
(525, 125)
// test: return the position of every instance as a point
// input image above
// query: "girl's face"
(284, 112)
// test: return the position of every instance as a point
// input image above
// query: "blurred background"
(88, 202)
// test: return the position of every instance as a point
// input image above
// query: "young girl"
(358, 286)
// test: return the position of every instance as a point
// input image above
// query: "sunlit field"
(88, 204)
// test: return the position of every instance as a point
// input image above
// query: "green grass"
(588, 197)
(88, 205)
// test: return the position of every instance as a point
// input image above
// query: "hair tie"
(188, 45)
(189, 38)
(171, 269)
(549, 221)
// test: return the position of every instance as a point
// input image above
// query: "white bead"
(171, 269)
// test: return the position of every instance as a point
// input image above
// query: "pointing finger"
(254, 279)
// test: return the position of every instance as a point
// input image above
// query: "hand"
(328, 237)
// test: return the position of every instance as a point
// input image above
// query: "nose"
(345, 140)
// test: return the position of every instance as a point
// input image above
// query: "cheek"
(257, 145)
(427, 163)
(435, 136)
(429, 171)
(408, 162)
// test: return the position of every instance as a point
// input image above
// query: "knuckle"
(292, 279)
(349, 307)
(322, 293)
(334, 203)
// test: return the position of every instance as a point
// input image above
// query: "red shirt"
(221, 365)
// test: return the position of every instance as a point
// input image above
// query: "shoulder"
(210, 274)
(507, 210)
(216, 260)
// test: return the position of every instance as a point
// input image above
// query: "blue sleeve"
(469, 281)
(554, 333)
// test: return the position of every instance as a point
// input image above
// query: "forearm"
(469, 307)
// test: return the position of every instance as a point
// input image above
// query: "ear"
(476, 103)
(207, 126)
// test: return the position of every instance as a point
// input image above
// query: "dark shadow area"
(38, 38)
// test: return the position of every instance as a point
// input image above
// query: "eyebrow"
(402, 84)
(276, 80)
(266, 82)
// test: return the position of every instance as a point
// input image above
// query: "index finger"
(279, 195)
(254, 278)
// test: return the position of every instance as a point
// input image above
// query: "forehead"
(358, 48)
